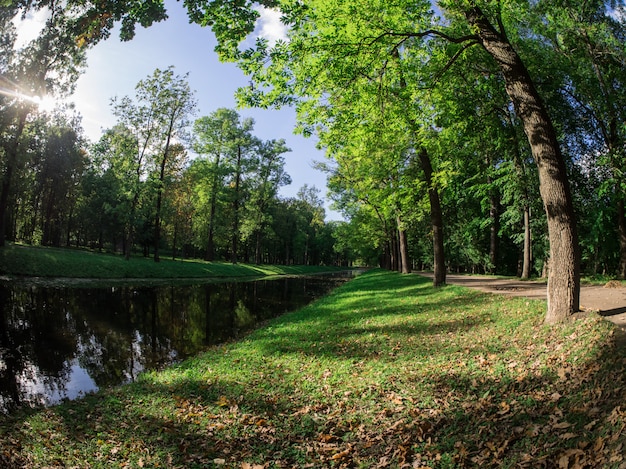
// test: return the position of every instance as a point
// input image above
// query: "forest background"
(433, 159)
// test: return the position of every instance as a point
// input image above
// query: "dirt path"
(609, 302)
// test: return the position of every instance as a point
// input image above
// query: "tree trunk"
(621, 223)
(210, 251)
(393, 243)
(235, 239)
(257, 247)
(404, 248)
(175, 241)
(436, 220)
(564, 273)
(157, 226)
(11, 161)
(157, 218)
(527, 245)
(494, 229)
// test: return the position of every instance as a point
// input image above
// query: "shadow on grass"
(456, 416)
(571, 417)
(470, 421)
(357, 329)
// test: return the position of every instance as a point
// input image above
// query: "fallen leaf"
(223, 401)
(340, 455)
(561, 425)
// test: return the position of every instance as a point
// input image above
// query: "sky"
(114, 68)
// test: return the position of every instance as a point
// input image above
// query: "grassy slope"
(54, 262)
(385, 372)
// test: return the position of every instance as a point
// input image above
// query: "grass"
(21, 260)
(384, 372)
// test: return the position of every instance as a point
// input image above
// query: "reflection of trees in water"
(115, 333)
(37, 344)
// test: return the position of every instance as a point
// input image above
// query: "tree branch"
(428, 32)
(457, 54)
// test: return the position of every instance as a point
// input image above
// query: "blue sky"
(115, 67)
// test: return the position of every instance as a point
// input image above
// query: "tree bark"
(527, 244)
(404, 248)
(436, 220)
(157, 218)
(235, 238)
(621, 223)
(210, 250)
(11, 162)
(494, 229)
(564, 274)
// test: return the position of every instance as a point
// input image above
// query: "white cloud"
(269, 25)
(619, 13)
(30, 27)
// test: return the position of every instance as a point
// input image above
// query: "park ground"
(608, 300)
(385, 372)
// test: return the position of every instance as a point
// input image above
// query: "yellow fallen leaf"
(340, 455)
(223, 401)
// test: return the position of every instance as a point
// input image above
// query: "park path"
(609, 301)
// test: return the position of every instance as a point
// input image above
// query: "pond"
(59, 343)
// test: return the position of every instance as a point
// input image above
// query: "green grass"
(19, 260)
(384, 372)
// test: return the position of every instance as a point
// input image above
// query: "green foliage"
(377, 82)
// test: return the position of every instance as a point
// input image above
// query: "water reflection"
(59, 343)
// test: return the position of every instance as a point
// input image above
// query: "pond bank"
(60, 342)
(18, 261)
(384, 372)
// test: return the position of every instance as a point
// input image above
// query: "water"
(59, 343)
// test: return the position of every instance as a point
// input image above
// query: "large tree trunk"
(436, 220)
(564, 274)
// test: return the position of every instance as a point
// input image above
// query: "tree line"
(137, 189)
(470, 135)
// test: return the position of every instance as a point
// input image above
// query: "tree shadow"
(567, 417)
(471, 420)
(612, 312)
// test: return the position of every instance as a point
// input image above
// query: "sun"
(45, 103)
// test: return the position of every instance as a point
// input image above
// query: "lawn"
(21, 260)
(385, 372)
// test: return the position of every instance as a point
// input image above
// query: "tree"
(564, 274)
(270, 176)
(324, 55)
(149, 130)
(166, 103)
(47, 65)
(226, 140)
(587, 42)
(311, 207)
(57, 181)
